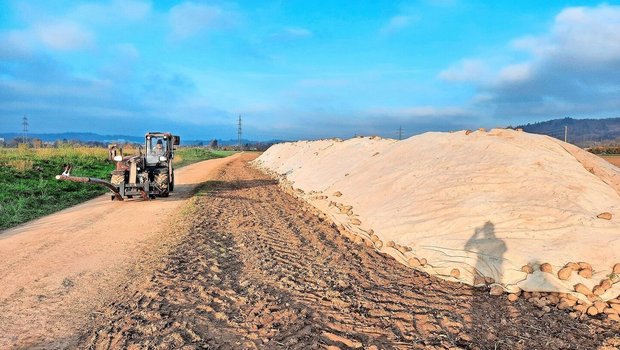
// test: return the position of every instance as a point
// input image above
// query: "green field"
(185, 156)
(28, 188)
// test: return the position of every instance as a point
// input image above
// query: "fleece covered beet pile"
(504, 207)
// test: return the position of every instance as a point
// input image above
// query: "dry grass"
(20, 165)
(8, 154)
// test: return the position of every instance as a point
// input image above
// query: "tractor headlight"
(163, 159)
(118, 158)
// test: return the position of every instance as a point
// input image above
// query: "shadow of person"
(489, 252)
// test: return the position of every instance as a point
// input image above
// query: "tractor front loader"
(149, 174)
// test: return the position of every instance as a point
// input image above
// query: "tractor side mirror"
(176, 140)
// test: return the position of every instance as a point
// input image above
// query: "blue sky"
(304, 69)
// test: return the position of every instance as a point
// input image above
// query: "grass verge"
(28, 189)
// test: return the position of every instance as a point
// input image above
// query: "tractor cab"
(159, 147)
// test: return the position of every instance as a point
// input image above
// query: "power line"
(239, 133)
(560, 133)
(25, 129)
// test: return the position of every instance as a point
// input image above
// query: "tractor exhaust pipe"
(92, 180)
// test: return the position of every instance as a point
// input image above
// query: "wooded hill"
(582, 132)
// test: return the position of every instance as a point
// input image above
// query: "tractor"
(149, 174)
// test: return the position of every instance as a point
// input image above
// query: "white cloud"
(516, 73)
(15, 44)
(583, 35)
(588, 34)
(63, 36)
(416, 119)
(419, 112)
(297, 32)
(189, 18)
(292, 33)
(467, 70)
(71, 28)
(573, 68)
(397, 23)
(133, 9)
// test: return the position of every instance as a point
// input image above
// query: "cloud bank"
(573, 69)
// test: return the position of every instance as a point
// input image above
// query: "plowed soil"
(615, 160)
(255, 269)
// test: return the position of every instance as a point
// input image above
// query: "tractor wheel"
(162, 182)
(171, 187)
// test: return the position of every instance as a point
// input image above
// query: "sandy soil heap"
(521, 210)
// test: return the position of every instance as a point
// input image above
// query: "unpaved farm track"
(56, 270)
(256, 269)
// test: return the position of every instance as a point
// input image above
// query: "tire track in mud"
(258, 270)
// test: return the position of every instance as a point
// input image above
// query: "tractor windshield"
(155, 148)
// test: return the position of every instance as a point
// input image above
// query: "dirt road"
(256, 269)
(56, 270)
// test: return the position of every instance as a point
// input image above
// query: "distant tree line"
(213, 144)
(609, 149)
(582, 132)
(38, 143)
(247, 146)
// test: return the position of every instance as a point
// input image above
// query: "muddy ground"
(256, 270)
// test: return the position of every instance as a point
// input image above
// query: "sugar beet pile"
(503, 208)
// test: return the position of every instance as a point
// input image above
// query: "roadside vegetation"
(611, 149)
(29, 190)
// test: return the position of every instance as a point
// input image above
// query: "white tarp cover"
(489, 202)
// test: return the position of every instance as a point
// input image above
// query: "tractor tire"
(117, 179)
(162, 182)
(171, 187)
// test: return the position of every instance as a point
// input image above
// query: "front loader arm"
(66, 176)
